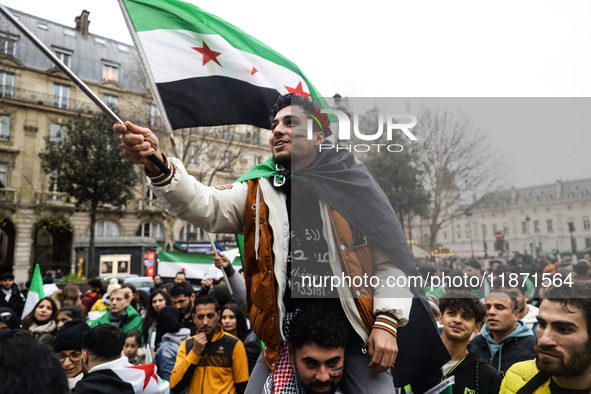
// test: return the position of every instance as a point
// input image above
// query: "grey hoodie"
(177, 337)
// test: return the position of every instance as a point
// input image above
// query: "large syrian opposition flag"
(207, 71)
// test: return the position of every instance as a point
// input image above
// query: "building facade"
(531, 220)
(38, 223)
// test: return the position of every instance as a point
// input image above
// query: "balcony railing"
(8, 196)
(145, 204)
(50, 100)
(31, 96)
(52, 198)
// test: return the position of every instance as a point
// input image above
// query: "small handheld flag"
(36, 292)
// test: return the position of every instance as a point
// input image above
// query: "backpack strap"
(189, 345)
(186, 379)
(533, 384)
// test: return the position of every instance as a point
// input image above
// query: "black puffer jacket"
(473, 374)
(15, 302)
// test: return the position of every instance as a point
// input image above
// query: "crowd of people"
(318, 213)
(493, 346)
(144, 328)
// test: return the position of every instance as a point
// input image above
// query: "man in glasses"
(68, 346)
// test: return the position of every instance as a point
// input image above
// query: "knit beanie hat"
(113, 284)
(168, 320)
(71, 336)
(434, 304)
(221, 293)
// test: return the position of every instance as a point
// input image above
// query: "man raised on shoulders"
(260, 206)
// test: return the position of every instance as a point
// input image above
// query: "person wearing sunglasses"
(68, 347)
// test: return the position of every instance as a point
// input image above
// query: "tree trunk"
(432, 241)
(433, 230)
(401, 218)
(92, 268)
(409, 231)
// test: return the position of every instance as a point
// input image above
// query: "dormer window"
(64, 55)
(110, 72)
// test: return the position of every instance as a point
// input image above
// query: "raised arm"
(139, 145)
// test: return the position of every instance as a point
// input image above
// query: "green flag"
(36, 292)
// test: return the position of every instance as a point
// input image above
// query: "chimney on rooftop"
(82, 23)
(558, 189)
(513, 195)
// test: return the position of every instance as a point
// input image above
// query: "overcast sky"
(424, 48)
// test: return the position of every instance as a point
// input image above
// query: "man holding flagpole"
(262, 206)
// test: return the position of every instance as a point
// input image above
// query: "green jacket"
(132, 322)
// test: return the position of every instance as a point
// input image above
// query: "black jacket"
(514, 349)
(103, 382)
(187, 322)
(15, 302)
(474, 374)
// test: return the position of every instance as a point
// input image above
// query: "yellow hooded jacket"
(519, 374)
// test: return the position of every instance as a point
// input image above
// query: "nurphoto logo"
(392, 123)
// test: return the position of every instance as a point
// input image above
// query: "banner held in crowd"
(207, 71)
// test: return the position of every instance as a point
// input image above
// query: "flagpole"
(148, 72)
(214, 249)
(73, 77)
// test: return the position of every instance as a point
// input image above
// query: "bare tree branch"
(458, 164)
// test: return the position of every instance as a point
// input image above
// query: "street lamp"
(571, 228)
(469, 215)
(531, 243)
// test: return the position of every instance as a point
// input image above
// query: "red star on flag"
(149, 371)
(298, 90)
(208, 54)
(254, 70)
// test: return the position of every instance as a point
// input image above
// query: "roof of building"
(560, 191)
(88, 55)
